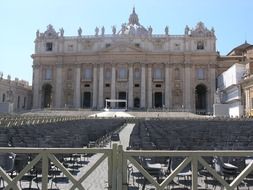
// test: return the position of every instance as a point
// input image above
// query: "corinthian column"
(101, 87)
(167, 86)
(143, 86)
(77, 86)
(130, 86)
(94, 88)
(113, 85)
(212, 87)
(149, 86)
(58, 90)
(36, 86)
(187, 87)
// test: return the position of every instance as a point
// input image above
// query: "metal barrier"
(118, 160)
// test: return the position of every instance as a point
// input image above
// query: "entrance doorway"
(200, 99)
(136, 102)
(158, 100)
(122, 96)
(47, 95)
(86, 100)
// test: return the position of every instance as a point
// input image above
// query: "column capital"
(36, 65)
(58, 65)
(78, 65)
(150, 65)
(130, 64)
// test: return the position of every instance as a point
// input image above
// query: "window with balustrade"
(87, 74)
(200, 73)
(122, 73)
(48, 73)
(157, 74)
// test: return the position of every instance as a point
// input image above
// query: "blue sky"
(231, 19)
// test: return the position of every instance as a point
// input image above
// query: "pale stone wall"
(16, 95)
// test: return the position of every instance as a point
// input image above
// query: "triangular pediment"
(122, 48)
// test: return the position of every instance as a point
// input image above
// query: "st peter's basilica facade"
(172, 72)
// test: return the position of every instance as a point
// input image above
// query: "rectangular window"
(136, 85)
(200, 74)
(200, 45)
(137, 74)
(107, 45)
(49, 46)
(122, 73)
(251, 103)
(86, 85)
(107, 85)
(158, 85)
(157, 74)
(48, 74)
(87, 74)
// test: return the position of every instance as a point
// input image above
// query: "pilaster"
(187, 87)
(77, 86)
(167, 86)
(36, 86)
(58, 86)
(143, 85)
(149, 92)
(113, 84)
(130, 86)
(95, 86)
(101, 86)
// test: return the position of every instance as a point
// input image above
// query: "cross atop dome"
(133, 18)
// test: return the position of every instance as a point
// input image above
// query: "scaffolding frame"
(115, 101)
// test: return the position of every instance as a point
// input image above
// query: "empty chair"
(225, 169)
(7, 163)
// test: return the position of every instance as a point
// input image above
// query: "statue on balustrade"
(96, 31)
(80, 31)
(166, 30)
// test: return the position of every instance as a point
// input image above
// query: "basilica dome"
(133, 27)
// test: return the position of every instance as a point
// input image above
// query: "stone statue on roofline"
(212, 31)
(113, 30)
(96, 31)
(80, 31)
(103, 31)
(186, 30)
(61, 32)
(37, 34)
(123, 28)
(150, 30)
(166, 30)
